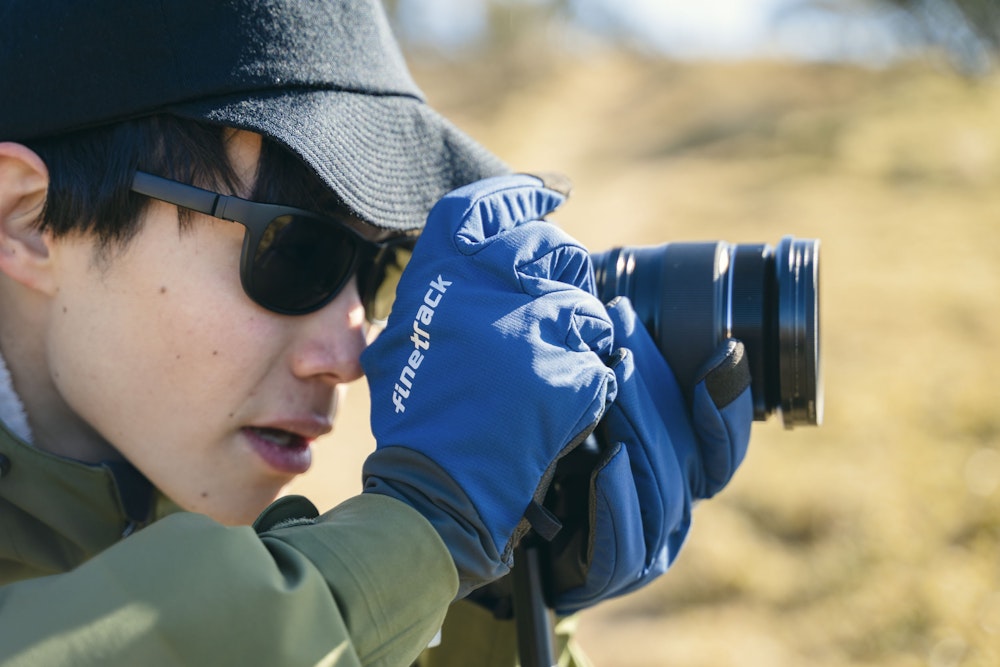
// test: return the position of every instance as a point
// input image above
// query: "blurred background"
(873, 125)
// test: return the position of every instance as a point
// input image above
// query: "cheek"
(164, 342)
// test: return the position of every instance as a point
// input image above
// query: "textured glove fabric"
(491, 368)
(660, 455)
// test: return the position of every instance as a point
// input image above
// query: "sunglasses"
(294, 261)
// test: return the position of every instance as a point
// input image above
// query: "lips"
(279, 437)
(283, 450)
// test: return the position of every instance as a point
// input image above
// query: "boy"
(201, 207)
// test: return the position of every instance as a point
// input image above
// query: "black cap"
(325, 78)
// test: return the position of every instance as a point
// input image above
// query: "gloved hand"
(489, 370)
(659, 456)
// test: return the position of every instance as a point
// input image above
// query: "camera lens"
(693, 296)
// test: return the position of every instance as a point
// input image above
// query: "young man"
(201, 207)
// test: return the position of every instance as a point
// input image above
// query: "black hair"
(90, 174)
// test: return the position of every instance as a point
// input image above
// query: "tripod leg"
(534, 623)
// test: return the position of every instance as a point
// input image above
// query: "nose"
(332, 340)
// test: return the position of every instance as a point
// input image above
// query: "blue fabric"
(660, 456)
(490, 368)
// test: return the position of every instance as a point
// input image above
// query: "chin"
(234, 511)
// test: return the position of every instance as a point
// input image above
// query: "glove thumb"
(722, 411)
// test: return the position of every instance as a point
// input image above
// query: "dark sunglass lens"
(378, 283)
(301, 262)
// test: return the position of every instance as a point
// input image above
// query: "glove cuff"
(449, 510)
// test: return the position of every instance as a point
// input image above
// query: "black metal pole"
(532, 617)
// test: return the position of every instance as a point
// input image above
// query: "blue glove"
(660, 455)
(489, 370)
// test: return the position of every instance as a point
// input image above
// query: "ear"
(24, 250)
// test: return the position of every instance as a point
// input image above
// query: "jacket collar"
(55, 512)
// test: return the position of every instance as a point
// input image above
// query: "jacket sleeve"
(368, 583)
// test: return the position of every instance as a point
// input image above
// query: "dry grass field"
(874, 539)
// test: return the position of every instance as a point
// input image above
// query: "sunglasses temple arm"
(179, 194)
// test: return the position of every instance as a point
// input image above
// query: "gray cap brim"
(390, 157)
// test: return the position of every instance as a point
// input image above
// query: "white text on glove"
(421, 341)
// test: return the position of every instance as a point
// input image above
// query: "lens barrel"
(693, 296)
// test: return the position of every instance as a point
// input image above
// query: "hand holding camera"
(495, 298)
(658, 456)
(491, 368)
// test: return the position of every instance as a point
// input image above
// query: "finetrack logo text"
(421, 340)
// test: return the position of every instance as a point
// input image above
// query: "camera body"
(693, 296)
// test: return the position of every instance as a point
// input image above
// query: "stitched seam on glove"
(592, 518)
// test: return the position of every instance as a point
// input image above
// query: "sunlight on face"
(213, 398)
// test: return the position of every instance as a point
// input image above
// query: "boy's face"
(159, 352)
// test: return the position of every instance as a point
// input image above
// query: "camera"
(692, 296)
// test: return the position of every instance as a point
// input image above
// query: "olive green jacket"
(82, 583)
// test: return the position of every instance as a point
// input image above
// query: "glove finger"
(502, 218)
(723, 414)
(565, 320)
(590, 329)
(561, 262)
(661, 487)
(664, 391)
(653, 368)
(615, 539)
(481, 211)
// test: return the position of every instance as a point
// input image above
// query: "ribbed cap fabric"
(325, 78)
